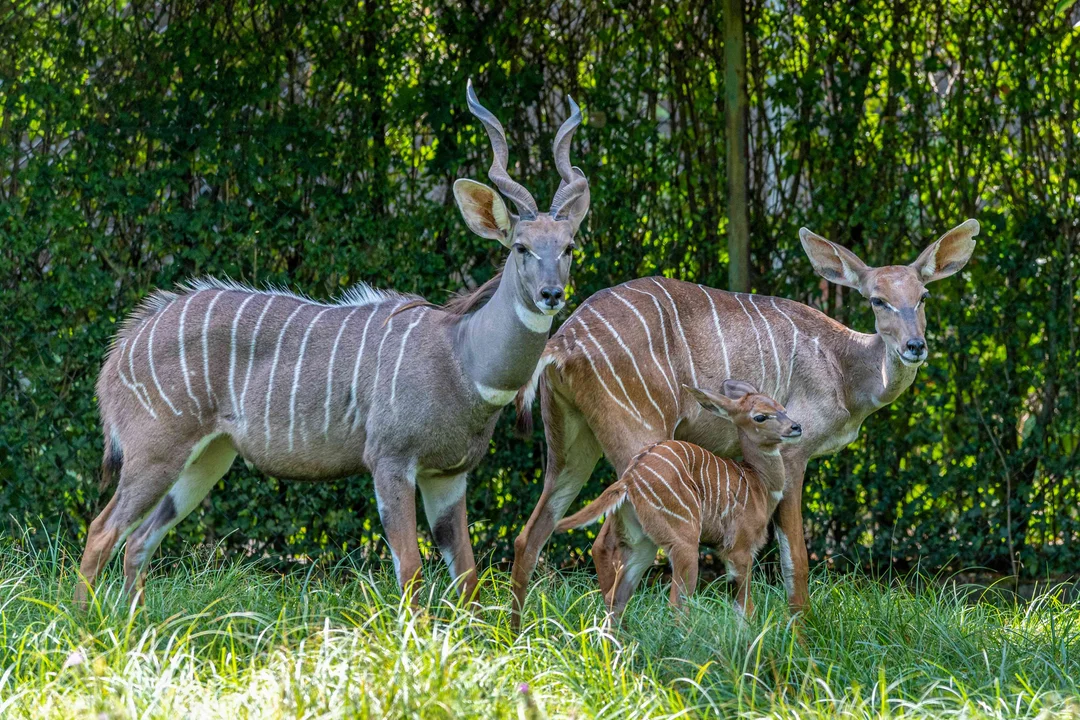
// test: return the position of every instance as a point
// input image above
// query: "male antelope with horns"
(612, 377)
(377, 381)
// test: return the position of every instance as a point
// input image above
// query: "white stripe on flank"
(648, 338)
(794, 344)
(633, 361)
(643, 483)
(354, 400)
(378, 363)
(670, 489)
(127, 383)
(211, 401)
(153, 371)
(757, 335)
(728, 499)
(183, 355)
(719, 332)
(663, 334)
(401, 352)
(682, 476)
(611, 367)
(330, 372)
(251, 357)
(296, 374)
(273, 370)
(138, 386)
(599, 377)
(776, 355)
(232, 356)
(678, 323)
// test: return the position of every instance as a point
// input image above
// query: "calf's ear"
(714, 403)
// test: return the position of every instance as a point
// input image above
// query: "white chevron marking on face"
(757, 335)
(232, 355)
(649, 340)
(183, 354)
(678, 324)
(719, 331)
(633, 361)
(401, 352)
(153, 370)
(330, 372)
(296, 374)
(251, 357)
(772, 341)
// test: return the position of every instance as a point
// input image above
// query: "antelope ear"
(948, 254)
(716, 404)
(833, 262)
(737, 389)
(484, 210)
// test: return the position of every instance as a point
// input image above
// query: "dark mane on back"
(462, 303)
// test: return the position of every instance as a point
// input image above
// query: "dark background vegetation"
(312, 143)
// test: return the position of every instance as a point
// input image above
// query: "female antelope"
(676, 495)
(377, 381)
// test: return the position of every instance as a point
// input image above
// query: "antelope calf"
(377, 381)
(677, 495)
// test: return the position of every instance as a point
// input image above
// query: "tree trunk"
(735, 110)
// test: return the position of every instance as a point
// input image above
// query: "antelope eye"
(520, 248)
(925, 297)
(877, 302)
(570, 249)
(760, 418)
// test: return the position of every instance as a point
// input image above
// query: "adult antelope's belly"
(315, 458)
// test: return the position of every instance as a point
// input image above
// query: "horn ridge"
(573, 182)
(498, 174)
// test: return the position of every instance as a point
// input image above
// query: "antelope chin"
(909, 362)
(548, 310)
(791, 439)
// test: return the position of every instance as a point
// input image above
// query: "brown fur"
(628, 349)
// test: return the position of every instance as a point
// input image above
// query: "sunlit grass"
(234, 641)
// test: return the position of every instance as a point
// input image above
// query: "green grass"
(230, 640)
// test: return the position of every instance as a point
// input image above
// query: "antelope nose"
(796, 429)
(916, 347)
(551, 296)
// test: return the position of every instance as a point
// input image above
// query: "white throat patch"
(495, 396)
(537, 322)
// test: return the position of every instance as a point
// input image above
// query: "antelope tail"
(524, 399)
(111, 462)
(608, 502)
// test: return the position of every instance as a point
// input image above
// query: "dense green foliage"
(223, 639)
(311, 144)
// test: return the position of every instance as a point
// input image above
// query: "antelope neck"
(496, 346)
(876, 375)
(769, 467)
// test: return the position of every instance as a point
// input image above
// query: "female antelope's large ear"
(484, 211)
(948, 254)
(716, 404)
(737, 389)
(833, 262)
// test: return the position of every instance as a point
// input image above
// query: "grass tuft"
(231, 640)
